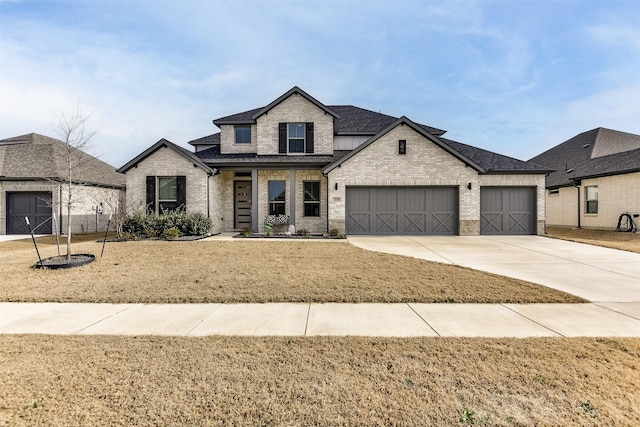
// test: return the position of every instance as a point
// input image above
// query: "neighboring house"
(596, 179)
(344, 168)
(32, 172)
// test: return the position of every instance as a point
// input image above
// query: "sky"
(513, 77)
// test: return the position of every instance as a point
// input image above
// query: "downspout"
(577, 185)
(327, 205)
(208, 198)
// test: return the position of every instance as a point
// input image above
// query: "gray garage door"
(507, 210)
(36, 206)
(402, 210)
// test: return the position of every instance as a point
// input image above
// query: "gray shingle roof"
(212, 157)
(349, 120)
(359, 121)
(598, 152)
(35, 156)
(207, 140)
(493, 162)
(243, 118)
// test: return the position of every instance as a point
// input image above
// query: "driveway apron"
(595, 273)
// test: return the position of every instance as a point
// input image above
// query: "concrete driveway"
(601, 275)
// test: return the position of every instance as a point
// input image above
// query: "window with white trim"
(295, 137)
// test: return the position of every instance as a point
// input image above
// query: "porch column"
(292, 197)
(254, 201)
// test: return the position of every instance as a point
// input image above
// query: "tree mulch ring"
(58, 262)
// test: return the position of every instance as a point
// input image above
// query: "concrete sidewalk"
(300, 319)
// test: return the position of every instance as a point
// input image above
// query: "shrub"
(171, 233)
(140, 224)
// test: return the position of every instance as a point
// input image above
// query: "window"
(554, 192)
(167, 194)
(591, 199)
(243, 134)
(296, 137)
(311, 198)
(402, 146)
(277, 197)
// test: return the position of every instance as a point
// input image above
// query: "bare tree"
(71, 129)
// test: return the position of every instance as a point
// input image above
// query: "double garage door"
(34, 205)
(402, 210)
(434, 210)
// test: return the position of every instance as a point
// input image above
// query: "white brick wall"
(228, 141)
(292, 110)
(425, 164)
(166, 162)
(311, 224)
(616, 195)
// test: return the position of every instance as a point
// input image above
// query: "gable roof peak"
(419, 129)
(294, 91)
(188, 155)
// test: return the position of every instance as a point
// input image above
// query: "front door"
(242, 192)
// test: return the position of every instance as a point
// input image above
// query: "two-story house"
(324, 167)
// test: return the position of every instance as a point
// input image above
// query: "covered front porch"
(249, 198)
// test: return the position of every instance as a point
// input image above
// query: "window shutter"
(309, 138)
(282, 138)
(151, 194)
(181, 184)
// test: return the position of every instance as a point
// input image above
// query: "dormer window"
(295, 138)
(243, 134)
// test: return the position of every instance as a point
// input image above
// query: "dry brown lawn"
(104, 380)
(250, 271)
(609, 239)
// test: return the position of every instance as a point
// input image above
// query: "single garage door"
(507, 210)
(402, 210)
(36, 206)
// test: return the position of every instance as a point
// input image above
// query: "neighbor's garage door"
(402, 210)
(36, 206)
(507, 210)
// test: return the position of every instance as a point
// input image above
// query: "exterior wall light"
(469, 186)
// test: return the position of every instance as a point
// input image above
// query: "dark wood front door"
(242, 192)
